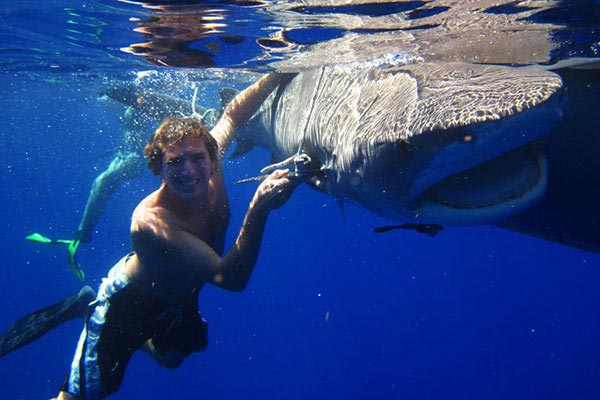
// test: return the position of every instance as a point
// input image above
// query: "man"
(149, 299)
(144, 112)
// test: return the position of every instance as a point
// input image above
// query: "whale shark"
(418, 142)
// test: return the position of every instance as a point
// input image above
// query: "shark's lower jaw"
(488, 192)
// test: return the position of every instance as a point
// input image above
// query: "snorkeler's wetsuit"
(119, 321)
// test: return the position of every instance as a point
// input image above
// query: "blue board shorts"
(119, 321)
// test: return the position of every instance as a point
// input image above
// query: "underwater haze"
(333, 309)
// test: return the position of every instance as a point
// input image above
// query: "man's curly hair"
(173, 130)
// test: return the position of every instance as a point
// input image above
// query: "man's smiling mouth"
(188, 183)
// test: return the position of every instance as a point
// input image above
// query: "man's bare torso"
(209, 224)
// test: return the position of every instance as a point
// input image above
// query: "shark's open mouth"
(511, 181)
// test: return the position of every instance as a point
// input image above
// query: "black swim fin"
(38, 323)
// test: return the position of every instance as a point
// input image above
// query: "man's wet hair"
(173, 130)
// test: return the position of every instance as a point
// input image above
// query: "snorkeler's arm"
(158, 242)
(243, 106)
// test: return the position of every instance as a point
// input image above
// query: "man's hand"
(274, 191)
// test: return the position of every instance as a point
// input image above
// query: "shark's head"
(466, 152)
(430, 143)
(472, 175)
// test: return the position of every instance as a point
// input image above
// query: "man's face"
(187, 168)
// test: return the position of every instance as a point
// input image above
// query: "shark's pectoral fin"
(243, 146)
(226, 94)
(340, 204)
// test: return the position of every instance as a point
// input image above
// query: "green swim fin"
(71, 256)
(72, 247)
(36, 237)
(32, 326)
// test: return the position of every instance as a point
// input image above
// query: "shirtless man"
(143, 114)
(150, 298)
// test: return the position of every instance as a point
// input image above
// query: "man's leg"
(124, 166)
(113, 331)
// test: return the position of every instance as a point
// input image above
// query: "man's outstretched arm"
(158, 242)
(243, 106)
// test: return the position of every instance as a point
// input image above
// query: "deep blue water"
(333, 311)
